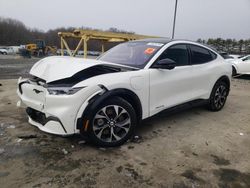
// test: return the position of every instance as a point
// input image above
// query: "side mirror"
(165, 64)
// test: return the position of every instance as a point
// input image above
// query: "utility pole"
(175, 11)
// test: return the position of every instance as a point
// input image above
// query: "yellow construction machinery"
(85, 35)
(38, 49)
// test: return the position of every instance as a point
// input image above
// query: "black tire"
(97, 122)
(234, 72)
(218, 96)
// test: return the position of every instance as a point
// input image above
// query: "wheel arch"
(235, 67)
(223, 78)
(96, 100)
(211, 104)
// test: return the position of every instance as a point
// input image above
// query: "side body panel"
(243, 67)
(184, 83)
(205, 75)
(169, 88)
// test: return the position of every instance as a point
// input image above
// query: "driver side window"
(177, 53)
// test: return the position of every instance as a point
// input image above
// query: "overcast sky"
(195, 18)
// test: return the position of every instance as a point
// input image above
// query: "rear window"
(201, 55)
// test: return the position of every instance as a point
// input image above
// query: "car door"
(244, 65)
(204, 69)
(171, 87)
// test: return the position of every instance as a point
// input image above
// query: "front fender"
(235, 66)
(83, 108)
(96, 99)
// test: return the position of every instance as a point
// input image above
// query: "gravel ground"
(15, 66)
(188, 147)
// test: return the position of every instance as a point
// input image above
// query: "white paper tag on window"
(155, 44)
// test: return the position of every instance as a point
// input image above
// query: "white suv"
(106, 98)
(241, 65)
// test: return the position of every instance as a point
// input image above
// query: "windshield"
(245, 57)
(135, 54)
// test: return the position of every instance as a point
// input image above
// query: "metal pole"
(85, 46)
(62, 47)
(175, 11)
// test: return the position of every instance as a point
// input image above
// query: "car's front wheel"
(112, 122)
(218, 96)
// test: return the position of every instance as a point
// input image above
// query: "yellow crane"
(85, 35)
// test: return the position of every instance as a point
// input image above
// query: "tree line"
(14, 33)
(231, 46)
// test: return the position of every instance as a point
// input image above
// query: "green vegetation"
(14, 32)
(231, 46)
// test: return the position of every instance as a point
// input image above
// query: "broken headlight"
(63, 90)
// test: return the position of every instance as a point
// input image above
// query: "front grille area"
(40, 117)
(36, 116)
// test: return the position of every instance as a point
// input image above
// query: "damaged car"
(107, 98)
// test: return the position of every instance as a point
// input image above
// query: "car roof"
(156, 40)
(167, 40)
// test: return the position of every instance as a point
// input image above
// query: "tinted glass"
(247, 58)
(200, 55)
(177, 53)
(214, 56)
(135, 54)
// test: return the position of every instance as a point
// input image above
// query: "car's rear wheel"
(218, 96)
(112, 123)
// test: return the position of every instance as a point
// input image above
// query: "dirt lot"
(188, 148)
(15, 66)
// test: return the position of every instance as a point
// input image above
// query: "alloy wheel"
(111, 123)
(220, 96)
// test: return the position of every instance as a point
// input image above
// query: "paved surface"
(187, 148)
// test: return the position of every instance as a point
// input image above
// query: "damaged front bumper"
(55, 114)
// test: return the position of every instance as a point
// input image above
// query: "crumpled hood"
(58, 67)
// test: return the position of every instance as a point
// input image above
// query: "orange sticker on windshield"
(149, 51)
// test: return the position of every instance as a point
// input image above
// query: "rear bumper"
(55, 114)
